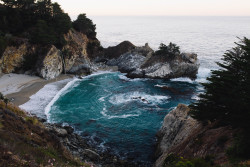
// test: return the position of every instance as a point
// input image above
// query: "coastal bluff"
(48, 62)
(82, 55)
(183, 136)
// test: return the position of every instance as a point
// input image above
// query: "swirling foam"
(104, 113)
(137, 96)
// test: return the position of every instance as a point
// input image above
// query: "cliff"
(48, 62)
(183, 136)
(81, 55)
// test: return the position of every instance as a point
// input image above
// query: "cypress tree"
(227, 94)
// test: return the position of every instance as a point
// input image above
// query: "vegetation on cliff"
(227, 96)
(24, 141)
(40, 21)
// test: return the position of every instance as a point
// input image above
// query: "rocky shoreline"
(79, 147)
(184, 136)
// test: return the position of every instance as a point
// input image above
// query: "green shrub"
(171, 50)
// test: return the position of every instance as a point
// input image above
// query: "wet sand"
(18, 88)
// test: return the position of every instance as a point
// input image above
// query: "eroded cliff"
(183, 136)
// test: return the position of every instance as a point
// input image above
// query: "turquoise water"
(120, 115)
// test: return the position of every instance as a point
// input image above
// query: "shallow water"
(118, 114)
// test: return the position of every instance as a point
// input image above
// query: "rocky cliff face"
(12, 58)
(75, 51)
(48, 62)
(76, 57)
(182, 135)
(51, 65)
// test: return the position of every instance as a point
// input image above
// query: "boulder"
(92, 155)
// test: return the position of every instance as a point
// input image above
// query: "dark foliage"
(42, 21)
(85, 25)
(171, 50)
(227, 94)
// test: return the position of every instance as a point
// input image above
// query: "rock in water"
(160, 66)
(141, 62)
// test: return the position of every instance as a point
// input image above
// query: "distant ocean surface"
(121, 115)
(209, 37)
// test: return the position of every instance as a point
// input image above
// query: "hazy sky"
(157, 7)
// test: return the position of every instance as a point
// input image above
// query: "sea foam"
(137, 96)
(43, 97)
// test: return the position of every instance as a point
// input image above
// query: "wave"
(104, 113)
(137, 96)
(123, 77)
(195, 97)
(63, 91)
(202, 75)
(42, 98)
(40, 103)
(160, 86)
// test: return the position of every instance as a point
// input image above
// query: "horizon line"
(167, 15)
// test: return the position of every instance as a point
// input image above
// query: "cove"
(119, 115)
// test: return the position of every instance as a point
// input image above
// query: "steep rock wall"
(182, 135)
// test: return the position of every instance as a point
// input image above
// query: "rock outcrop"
(82, 55)
(51, 64)
(115, 52)
(184, 136)
(177, 126)
(13, 58)
(131, 60)
(161, 66)
(141, 62)
(48, 61)
(75, 51)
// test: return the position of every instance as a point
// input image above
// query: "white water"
(43, 97)
(41, 102)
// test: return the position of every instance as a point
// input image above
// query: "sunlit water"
(122, 116)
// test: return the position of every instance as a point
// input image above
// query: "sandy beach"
(18, 87)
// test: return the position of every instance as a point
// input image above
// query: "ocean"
(121, 116)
